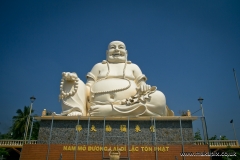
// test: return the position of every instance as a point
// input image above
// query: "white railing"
(219, 143)
(213, 143)
(11, 142)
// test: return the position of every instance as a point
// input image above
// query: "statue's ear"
(126, 53)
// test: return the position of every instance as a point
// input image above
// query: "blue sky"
(185, 48)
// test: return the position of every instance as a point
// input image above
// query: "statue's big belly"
(109, 87)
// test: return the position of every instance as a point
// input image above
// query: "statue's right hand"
(69, 76)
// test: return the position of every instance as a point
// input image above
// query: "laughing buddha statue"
(115, 87)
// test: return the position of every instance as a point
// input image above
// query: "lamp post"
(200, 99)
(32, 99)
(31, 131)
(233, 129)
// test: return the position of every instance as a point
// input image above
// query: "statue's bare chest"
(116, 71)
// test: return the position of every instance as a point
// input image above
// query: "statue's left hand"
(101, 110)
(143, 86)
(75, 113)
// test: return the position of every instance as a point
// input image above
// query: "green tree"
(223, 138)
(3, 152)
(230, 151)
(7, 135)
(213, 138)
(35, 130)
(183, 113)
(197, 135)
(19, 123)
(17, 130)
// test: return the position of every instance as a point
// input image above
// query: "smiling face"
(116, 52)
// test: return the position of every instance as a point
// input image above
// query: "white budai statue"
(115, 87)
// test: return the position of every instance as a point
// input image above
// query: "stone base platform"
(115, 130)
(86, 152)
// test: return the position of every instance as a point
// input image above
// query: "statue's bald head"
(116, 52)
(116, 42)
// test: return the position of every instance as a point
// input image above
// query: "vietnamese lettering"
(118, 148)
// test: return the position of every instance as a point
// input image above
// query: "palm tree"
(19, 122)
(35, 130)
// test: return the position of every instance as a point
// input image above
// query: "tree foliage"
(223, 138)
(183, 113)
(213, 137)
(197, 135)
(230, 151)
(17, 130)
(19, 122)
(3, 152)
(35, 130)
(6, 136)
(49, 113)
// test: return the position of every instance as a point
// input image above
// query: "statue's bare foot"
(75, 113)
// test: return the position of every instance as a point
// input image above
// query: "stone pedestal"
(115, 130)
